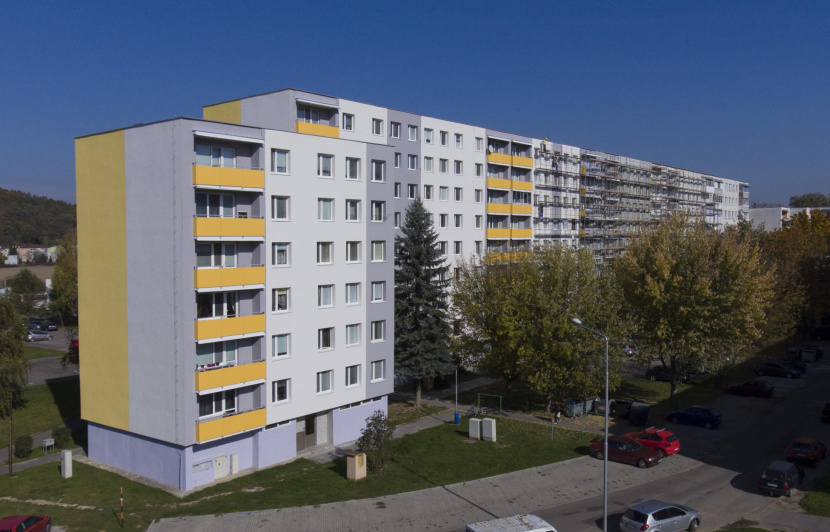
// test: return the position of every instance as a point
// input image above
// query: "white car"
(35, 336)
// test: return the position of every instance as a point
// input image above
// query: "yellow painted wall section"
(522, 209)
(207, 227)
(100, 176)
(522, 161)
(225, 426)
(499, 158)
(498, 233)
(205, 329)
(494, 182)
(522, 185)
(318, 129)
(220, 277)
(216, 378)
(521, 233)
(230, 112)
(217, 176)
(498, 208)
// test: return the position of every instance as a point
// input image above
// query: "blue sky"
(736, 89)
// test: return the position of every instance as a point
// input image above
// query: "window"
(427, 136)
(212, 156)
(378, 211)
(442, 221)
(352, 210)
(378, 171)
(353, 251)
(458, 193)
(397, 190)
(352, 293)
(216, 255)
(216, 354)
(457, 247)
(443, 193)
(479, 195)
(478, 247)
(324, 252)
(280, 391)
(378, 370)
(281, 345)
(325, 338)
(280, 299)
(427, 164)
(217, 305)
(458, 219)
(459, 167)
(478, 221)
(324, 381)
(280, 208)
(378, 250)
(442, 249)
(412, 163)
(397, 160)
(352, 168)
(325, 210)
(411, 191)
(352, 376)
(217, 403)
(378, 291)
(280, 254)
(324, 165)
(377, 126)
(279, 161)
(479, 143)
(413, 133)
(378, 330)
(397, 220)
(214, 205)
(479, 169)
(459, 140)
(395, 129)
(443, 165)
(348, 122)
(353, 334)
(444, 138)
(427, 192)
(306, 114)
(325, 295)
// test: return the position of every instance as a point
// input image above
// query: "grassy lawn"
(817, 501)
(31, 352)
(46, 406)
(429, 458)
(402, 412)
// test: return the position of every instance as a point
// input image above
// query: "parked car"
(661, 440)
(35, 336)
(697, 415)
(26, 523)
(35, 325)
(797, 364)
(660, 516)
(51, 326)
(780, 478)
(755, 387)
(622, 449)
(776, 369)
(808, 450)
(662, 373)
(516, 523)
(825, 413)
(821, 333)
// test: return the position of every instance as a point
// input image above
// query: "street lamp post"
(605, 441)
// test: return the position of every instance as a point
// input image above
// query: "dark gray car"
(659, 515)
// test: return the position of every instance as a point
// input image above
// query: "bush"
(23, 446)
(375, 440)
(63, 437)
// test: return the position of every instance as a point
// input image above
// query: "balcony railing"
(219, 377)
(212, 429)
(317, 129)
(233, 227)
(208, 328)
(221, 177)
(228, 277)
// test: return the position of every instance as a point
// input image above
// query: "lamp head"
(576, 320)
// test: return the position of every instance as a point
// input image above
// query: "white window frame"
(395, 130)
(325, 296)
(428, 164)
(275, 292)
(321, 172)
(479, 219)
(320, 380)
(427, 192)
(353, 258)
(353, 205)
(479, 144)
(225, 404)
(321, 202)
(397, 160)
(412, 133)
(374, 369)
(377, 126)
(378, 286)
(348, 122)
(443, 166)
(445, 138)
(443, 220)
(412, 162)
(443, 193)
(411, 191)
(458, 167)
(378, 245)
(353, 380)
(274, 201)
(352, 334)
(274, 387)
(378, 331)
(459, 140)
(274, 254)
(321, 333)
(442, 248)
(378, 211)
(427, 136)
(352, 162)
(320, 247)
(274, 342)
(274, 169)
(458, 221)
(349, 299)
(458, 247)
(397, 190)
(397, 220)
(479, 195)
(377, 164)
(458, 194)
(479, 169)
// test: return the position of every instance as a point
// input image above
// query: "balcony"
(499, 158)
(211, 328)
(518, 160)
(522, 185)
(495, 182)
(521, 233)
(498, 233)
(218, 378)
(499, 208)
(522, 209)
(228, 178)
(231, 228)
(317, 129)
(228, 425)
(229, 277)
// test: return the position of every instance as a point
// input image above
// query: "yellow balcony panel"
(582, 213)
(228, 227)
(225, 426)
(511, 256)
(522, 161)
(499, 158)
(217, 378)
(582, 191)
(521, 233)
(522, 209)
(222, 277)
(216, 176)
(498, 208)
(522, 185)
(494, 182)
(498, 233)
(221, 327)
(318, 129)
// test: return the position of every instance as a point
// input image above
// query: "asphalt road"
(59, 341)
(49, 368)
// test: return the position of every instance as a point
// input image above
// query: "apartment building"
(237, 271)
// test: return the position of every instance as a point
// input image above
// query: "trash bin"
(590, 404)
(621, 407)
(573, 407)
(355, 465)
(638, 414)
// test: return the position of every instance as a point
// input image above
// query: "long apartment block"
(237, 271)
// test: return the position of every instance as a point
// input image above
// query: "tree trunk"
(508, 393)
(417, 393)
(548, 400)
(673, 394)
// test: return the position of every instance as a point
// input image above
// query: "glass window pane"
(203, 155)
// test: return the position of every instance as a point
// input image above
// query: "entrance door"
(306, 435)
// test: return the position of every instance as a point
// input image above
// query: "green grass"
(402, 412)
(45, 407)
(31, 352)
(429, 458)
(817, 501)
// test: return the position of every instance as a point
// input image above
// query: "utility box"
(475, 428)
(66, 464)
(355, 465)
(488, 429)
(234, 463)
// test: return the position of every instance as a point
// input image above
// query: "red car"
(621, 449)
(661, 440)
(756, 387)
(806, 450)
(26, 523)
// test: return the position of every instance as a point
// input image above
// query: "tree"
(24, 286)
(421, 324)
(64, 294)
(694, 297)
(14, 368)
(375, 440)
(812, 199)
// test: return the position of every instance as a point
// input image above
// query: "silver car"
(660, 516)
(34, 336)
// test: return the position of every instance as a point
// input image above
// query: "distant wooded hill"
(29, 220)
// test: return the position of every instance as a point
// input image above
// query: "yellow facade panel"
(493, 182)
(220, 277)
(225, 426)
(499, 158)
(218, 328)
(216, 176)
(230, 112)
(498, 233)
(522, 209)
(318, 129)
(521, 233)
(522, 185)
(217, 378)
(522, 161)
(498, 208)
(228, 227)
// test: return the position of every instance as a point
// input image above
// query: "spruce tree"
(422, 328)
